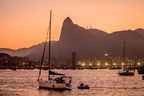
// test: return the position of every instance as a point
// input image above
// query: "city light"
(83, 64)
(79, 62)
(98, 64)
(139, 63)
(23, 63)
(122, 63)
(114, 63)
(106, 64)
(90, 64)
(106, 54)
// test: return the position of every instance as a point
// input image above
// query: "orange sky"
(23, 23)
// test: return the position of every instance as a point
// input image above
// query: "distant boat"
(13, 68)
(143, 77)
(83, 86)
(124, 71)
(141, 70)
(56, 81)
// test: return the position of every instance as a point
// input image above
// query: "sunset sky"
(23, 23)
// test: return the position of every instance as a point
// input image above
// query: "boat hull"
(80, 87)
(143, 77)
(141, 70)
(54, 85)
(126, 73)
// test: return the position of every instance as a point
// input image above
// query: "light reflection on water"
(102, 82)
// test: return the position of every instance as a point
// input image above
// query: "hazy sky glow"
(23, 23)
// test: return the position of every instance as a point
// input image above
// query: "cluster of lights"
(83, 64)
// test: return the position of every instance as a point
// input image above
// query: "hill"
(87, 43)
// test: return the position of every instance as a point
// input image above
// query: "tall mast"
(43, 55)
(123, 55)
(49, 58)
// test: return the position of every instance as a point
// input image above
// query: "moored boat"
(83, 86)
(126, 73)
(55, 84)
(55, 80)
(141, 70)
(143, 77)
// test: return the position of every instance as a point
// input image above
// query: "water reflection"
(102, 83)
(44, 92)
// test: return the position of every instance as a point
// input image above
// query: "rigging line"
(44, 49)
(49, 59)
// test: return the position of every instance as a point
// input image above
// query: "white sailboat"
(55, 80)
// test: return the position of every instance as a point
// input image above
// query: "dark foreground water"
(102, 82)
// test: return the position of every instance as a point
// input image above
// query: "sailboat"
(141, 70)
(124, 71)
(55, 80)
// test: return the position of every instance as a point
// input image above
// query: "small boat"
(56, 81)
(143, 77)
(83, 86)
(141, 70)
(126, 73)
(13, 68)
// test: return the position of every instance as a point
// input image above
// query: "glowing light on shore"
(114, 63)
(98, 64)
(79, 62)
(138, 63)
(106, 54)
(106, 64)
(123, 63)
(83, 64)
(90, 64)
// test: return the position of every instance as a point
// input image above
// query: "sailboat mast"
(43, 55)
(123, 56)
(49, 58)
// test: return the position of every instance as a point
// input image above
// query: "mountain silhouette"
(140, 31)
(87, 43)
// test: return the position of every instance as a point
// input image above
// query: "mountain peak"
(139, 29)
(68, 21)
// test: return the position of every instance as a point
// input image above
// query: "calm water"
(102, 82)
